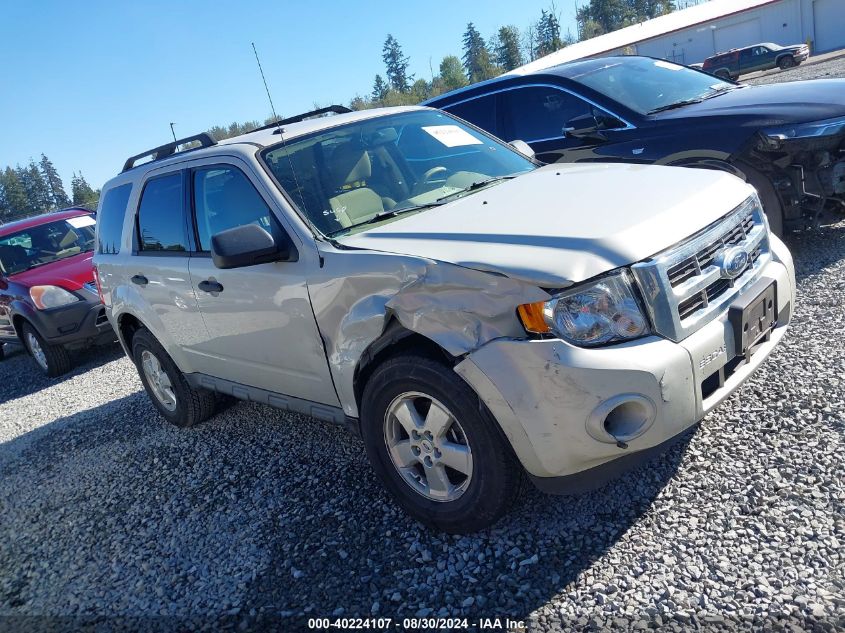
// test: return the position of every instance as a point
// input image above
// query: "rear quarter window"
(110, 219)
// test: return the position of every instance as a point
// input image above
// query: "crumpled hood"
(69, 273)
(562, 224)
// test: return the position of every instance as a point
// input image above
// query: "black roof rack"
(205, 140)
(332, 109)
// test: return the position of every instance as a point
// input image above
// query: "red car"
(48, 298)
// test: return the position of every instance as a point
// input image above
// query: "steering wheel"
(431, 173)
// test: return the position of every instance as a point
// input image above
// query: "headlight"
(45, 297)
(595, 313)
(812, 129)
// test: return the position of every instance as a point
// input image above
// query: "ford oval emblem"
(732, 262)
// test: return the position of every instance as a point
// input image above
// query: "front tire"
(178, 402)
(435, 447)
(786, 62)
(53, 360)
(768, 197)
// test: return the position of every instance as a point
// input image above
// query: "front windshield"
(646, 85)
(46, 243)
(376, 169)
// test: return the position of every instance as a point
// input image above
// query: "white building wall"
(781, 22)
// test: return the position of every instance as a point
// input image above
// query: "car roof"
(270, 136)
(567, 70)
(44, 218)
(261, 138)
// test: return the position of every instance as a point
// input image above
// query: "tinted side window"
(480, 112)
(110, 219)
(540, 112)
(223, 199)
(161, 220)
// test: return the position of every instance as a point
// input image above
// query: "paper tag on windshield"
(452, 135)
(83, 220)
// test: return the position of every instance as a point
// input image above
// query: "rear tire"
(53, 360)
(436, 448)
(786, 62)
(165, 384)
(724, 74)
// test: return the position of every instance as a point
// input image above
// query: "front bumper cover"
(544, 392)
(74, 325)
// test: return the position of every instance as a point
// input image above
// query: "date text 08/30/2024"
(416, 624)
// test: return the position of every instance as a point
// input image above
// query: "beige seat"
(350, 168)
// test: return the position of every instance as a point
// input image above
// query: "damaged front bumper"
(807, 167)
(555, 402)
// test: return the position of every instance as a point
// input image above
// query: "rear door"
(260, 328)
(158, 269)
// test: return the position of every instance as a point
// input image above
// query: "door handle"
(140, 280)
(210, 286)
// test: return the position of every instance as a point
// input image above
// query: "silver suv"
(474, 316)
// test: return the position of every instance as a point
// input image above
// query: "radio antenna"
(285, 146)
(264, 79)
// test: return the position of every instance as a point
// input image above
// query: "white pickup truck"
(473, 315)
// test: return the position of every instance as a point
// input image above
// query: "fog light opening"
(627, 420)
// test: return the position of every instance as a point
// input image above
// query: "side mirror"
(586, 127)
(250, 244)
(523, 148)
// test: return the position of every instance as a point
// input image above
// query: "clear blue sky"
(90, 83)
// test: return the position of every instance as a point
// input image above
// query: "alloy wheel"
(36, 350)
(428, 446)
(158, 380)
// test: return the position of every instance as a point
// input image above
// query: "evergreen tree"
(83, 194)
(58, 196)
(476, 56)
(397, 65)
(35, 189)
(548, 34)
(508, 53)
(380, 89)
(13, 194)
(452, 73)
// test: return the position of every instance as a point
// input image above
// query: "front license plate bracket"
(753, 316)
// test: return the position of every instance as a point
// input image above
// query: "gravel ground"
(106, 510)
(829, 69)
(108, 516)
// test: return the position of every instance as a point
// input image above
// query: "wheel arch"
(394, 341)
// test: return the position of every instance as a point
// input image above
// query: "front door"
(261, 331)
(540, 116)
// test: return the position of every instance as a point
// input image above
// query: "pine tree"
(83, 194)
(35, 188)
(13, 194)
(58, 197)
(476, 56)
(380, 89)
(508, 53)
(452, 73)
(548, 34)
(397, 65)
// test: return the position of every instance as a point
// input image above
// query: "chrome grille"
(686, 287)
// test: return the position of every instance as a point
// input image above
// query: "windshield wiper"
(388, 213)
(676, 104)
(714, 92)
(476, 186)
